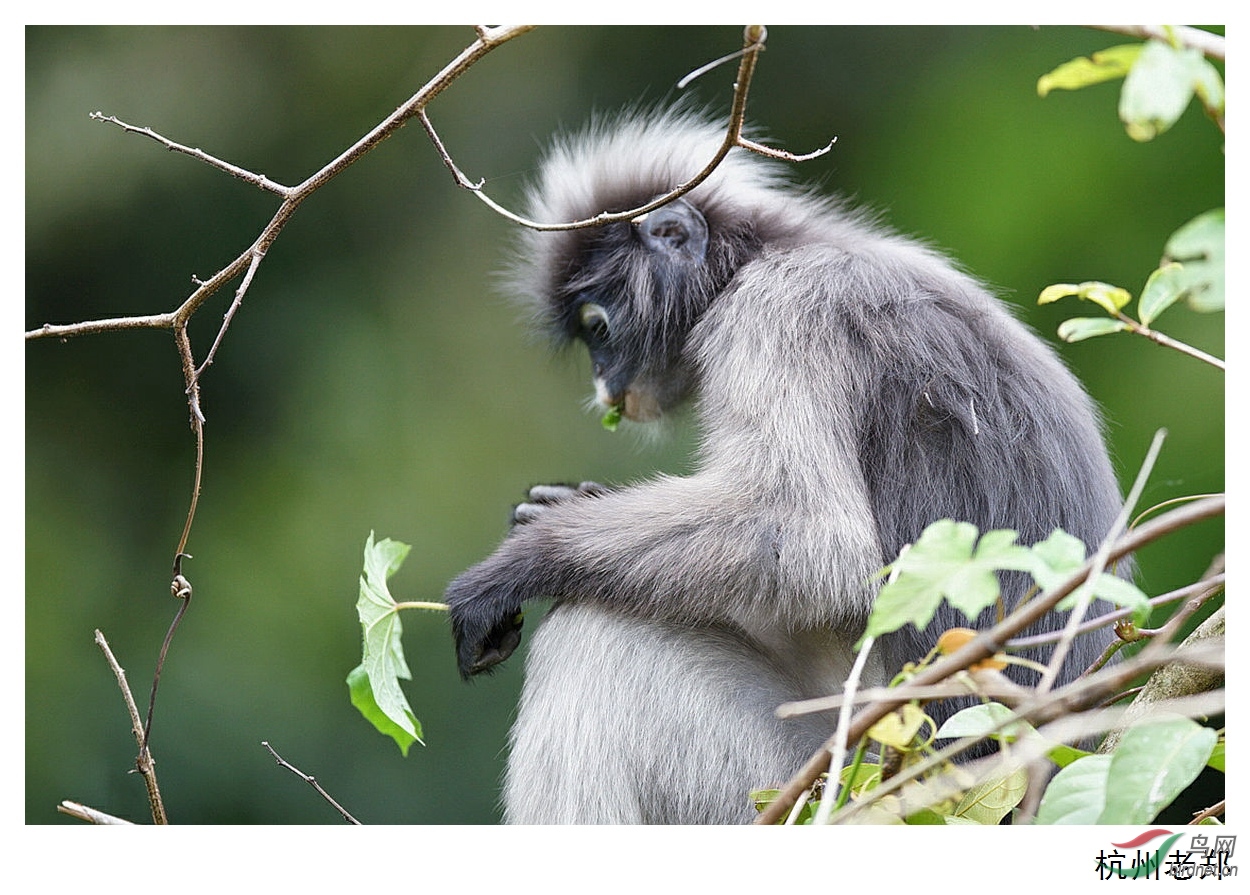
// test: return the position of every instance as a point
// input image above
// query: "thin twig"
(144, 762)
(246, 264)
(180, 588)
(753, 38)
(1211, 45)
(259, 180)
(257, 257)
(1214, 811)
(91, 815)
(1061, 717)
(1099, 562)
(988, 643)
(311, 781)
(1168, 342)
(1203, 589)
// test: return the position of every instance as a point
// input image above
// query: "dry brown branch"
(311, 781)
(987, 643)
(1177, 678)
(144, 762)
(753, 44)
(245, 265)
(91, 815)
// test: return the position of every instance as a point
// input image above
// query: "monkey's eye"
(594, 321)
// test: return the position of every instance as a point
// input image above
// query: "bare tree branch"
(246, 264)
(259, 180)
(144, 762)
(91, 815)
(311, 781)
(1211, 45)
(987, 643)
(753, 38)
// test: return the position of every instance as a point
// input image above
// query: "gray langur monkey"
(851, 386)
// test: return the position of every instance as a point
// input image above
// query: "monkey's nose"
(606, 396)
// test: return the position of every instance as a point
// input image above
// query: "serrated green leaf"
(1061, 555)
(1077, 794)
(946, 562)
(1151, 766)
(1078, 329)
(1113, 62)
(1199, 247)
(1158, 88)
(988, 802)
(362, 698)
(1122, 593)
(383, 650)
(1163, 289)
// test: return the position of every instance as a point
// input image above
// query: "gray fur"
(851, 385)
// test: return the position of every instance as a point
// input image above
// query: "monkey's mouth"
(639, 407)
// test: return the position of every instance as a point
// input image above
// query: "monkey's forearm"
(675, 549)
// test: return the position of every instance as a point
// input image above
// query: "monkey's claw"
(498, 645)
(542, 496)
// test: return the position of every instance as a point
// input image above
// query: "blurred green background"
(376, 378)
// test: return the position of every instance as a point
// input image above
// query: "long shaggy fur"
(852, 386)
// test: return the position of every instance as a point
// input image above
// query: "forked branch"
(753, 45)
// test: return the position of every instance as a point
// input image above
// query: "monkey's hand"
(543, 496)
(485, 610)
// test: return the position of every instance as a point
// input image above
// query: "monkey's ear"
(676, 230)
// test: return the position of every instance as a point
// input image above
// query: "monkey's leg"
(631, 720)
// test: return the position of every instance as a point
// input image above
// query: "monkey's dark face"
(637, 290)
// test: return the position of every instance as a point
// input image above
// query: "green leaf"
(1151, 766)
(1113, 62)
(1216, 760)
(383, 662)
(612, 419)
(362, 698)
(1077, 794)
(1159, 87)
(1110, 298)
(1164, 287)
(1063, 755)
(946, 561)
(1061, 555)
(981, 720)
(925, 817)
(1199, 247)
(1210, 87)
(1078, 329)
(988, 802)
(899, 729)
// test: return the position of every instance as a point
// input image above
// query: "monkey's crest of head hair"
(622, 161)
